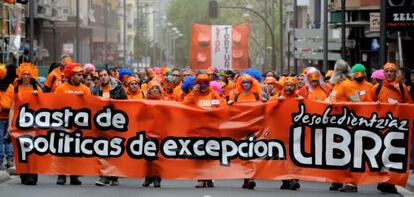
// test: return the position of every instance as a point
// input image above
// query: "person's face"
(104, 77)
(186, 74)
(246, 85)
(26, 77)
(88, 80)
(142, 74)
(269, 87)
(176, 74)
(133, 86)
(204, 85)
(154, 92)
(301, 81)
(390, 74)
(290, 88)
(169, 87)
(412, 77)
(77, 78)
(96, 81)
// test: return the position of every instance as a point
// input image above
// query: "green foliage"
(183, 13)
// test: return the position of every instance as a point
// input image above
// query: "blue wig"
(253, 72)
(124, 71)
(187, 84)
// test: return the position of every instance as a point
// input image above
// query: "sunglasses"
(246, 81)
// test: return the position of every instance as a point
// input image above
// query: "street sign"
(68, 48)
(374, 22)
(317, 56)
(309, 44)
(400, 15)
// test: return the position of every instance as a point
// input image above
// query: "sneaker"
(387, 188)
(148, 181)
(157, 181)
(103, 181)
(9, 163)
(201, 184)
(61, 180)
(209, 183)
(349, 188)
(294, 185)
(114, 181)
(74, 180)
(336, 186)
(249, 184)
(285, 184)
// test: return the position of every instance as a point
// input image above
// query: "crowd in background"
(208, 89)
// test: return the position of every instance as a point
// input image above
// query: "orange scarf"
(392, 85)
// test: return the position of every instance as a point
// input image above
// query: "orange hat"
(202, 77)
(3, 71)
(329, 73)
(27, 67)
(292, 80)
(273, 81)
(132, 79)
(390, 66)
(154, 83)
(71, 69)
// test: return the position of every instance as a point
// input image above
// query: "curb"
(4, 176)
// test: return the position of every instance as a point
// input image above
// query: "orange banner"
(86, 135)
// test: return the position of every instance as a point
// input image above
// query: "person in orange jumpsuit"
(272, 88)
(133, 91)
(343, 91)
(246, 93)
(169, 83)
(27, 85)
(27, 74)
(314, 88)
(154, 92)
(56, 77)
(73, 85)
(202, 96)
(390, 91)
(246, 90)
(290, 91)
(362, 85)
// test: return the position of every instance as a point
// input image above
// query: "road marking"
(404, 192)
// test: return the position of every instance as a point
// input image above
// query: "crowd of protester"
(207, 89)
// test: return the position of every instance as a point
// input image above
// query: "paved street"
(132, 187)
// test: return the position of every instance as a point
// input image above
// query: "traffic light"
(213, 9)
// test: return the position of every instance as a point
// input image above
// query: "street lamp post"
(77, 31)
(343, 6)
(325, 66)
(31, 13)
